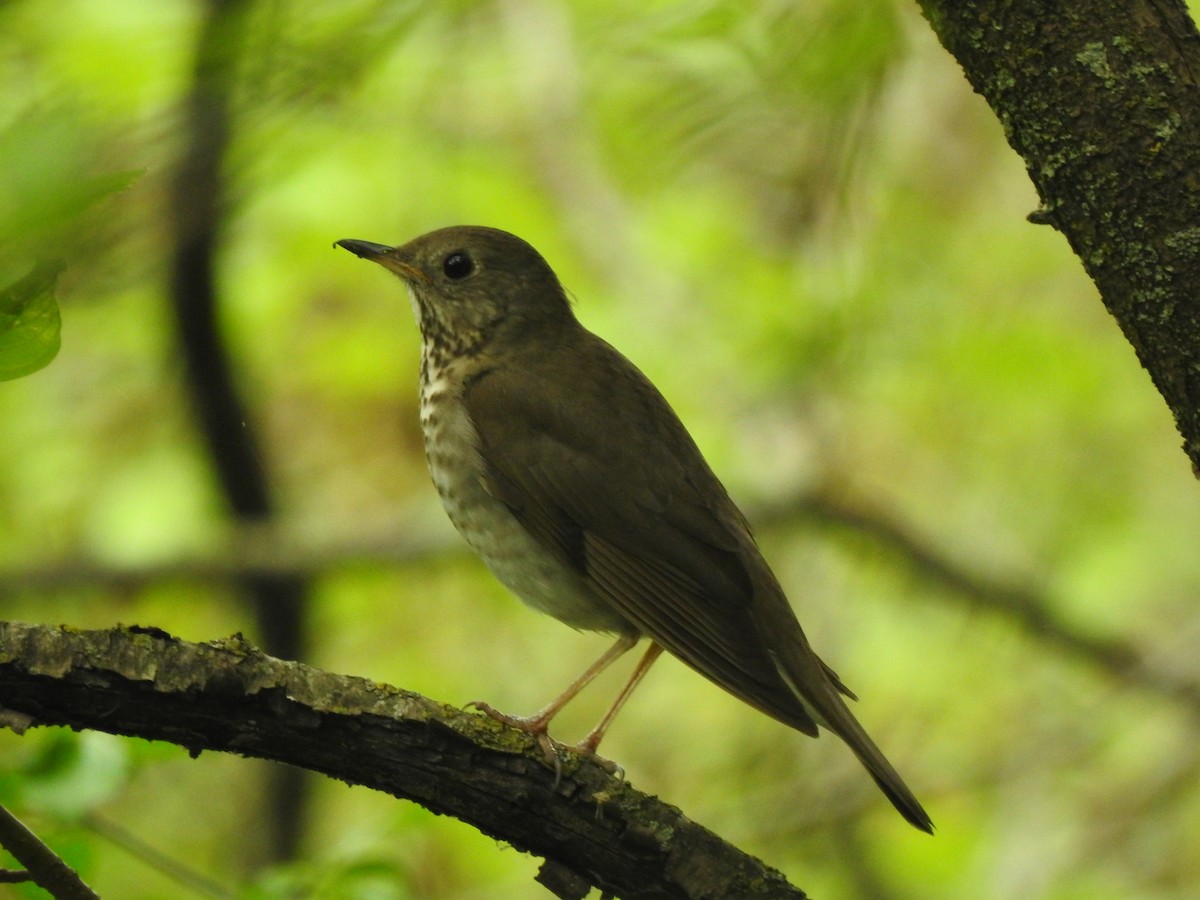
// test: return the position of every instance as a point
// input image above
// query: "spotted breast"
(514, 557)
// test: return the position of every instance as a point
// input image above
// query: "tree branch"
(199, 206)
(1032, 608)
(1035, 611)
(42, 864)
(592, 827)
(1102, 100)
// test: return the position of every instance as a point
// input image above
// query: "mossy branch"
(590, 826)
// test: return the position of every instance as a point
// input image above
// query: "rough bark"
(1101, 100)
(591, 826)
(42, 866)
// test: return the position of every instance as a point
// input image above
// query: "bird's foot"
(538, 727)
(531, 724)
(584, 748)
(587, 747)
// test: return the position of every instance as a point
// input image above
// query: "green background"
(805, 228)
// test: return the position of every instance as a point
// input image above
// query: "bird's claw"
(551, 749)
(612, 768)
(531, 725)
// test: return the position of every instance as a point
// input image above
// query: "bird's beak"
(382, 254)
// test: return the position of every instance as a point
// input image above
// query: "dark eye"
(458, 265)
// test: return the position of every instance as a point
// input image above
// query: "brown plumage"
(574, 480)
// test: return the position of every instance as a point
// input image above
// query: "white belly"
(516, 558)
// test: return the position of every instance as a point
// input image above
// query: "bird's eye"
(458, 265)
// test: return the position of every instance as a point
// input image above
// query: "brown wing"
(604, 475)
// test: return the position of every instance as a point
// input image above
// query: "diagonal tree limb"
(1031, 607)
(1034, 611)
(592, 827)
(1101, 98)
(42, 865)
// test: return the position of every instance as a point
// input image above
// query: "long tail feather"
(810, 680)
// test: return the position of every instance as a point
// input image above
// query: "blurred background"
(798, 221)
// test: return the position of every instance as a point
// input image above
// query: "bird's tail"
(819, 689)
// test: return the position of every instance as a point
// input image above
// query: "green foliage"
(803, 226)
(30, 327)
(46, 192)
(70, 775)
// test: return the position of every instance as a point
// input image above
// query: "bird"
(570, 475)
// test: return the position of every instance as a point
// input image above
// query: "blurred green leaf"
(47, 185)
(71, 774)
(357, 879)
(49, 178)
(30, 326)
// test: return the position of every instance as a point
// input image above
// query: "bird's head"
(471, 285)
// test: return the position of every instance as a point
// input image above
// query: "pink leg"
(592, 741)
(539, 722)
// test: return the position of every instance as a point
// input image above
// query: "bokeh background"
(801, 223)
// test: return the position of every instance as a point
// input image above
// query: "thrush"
(573, 479)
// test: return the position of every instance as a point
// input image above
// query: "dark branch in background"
(42, 865)
(1030, 607)
(1033, 611)
(1102, 101)
(197, 207)
(179, 873)
(592, 827)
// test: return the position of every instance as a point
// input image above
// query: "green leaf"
(30, 326)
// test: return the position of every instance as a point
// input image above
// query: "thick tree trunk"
(1101, 98)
